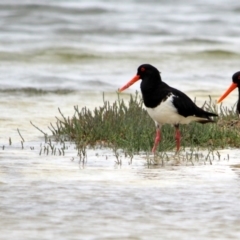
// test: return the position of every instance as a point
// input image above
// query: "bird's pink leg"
(157, 139)
(177, 137)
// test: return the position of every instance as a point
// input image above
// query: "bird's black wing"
(186, 107)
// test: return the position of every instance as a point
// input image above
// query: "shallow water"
(54, 196)
(59, 54)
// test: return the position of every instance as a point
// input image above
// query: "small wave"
(193, 41)
(219, 53)
(36, 91)
(46, 8)
(98, 83)
(66, 56)
(51, 54)
(237, 9)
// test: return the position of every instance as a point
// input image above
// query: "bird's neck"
(150, 82)
(153, 91)
(238, 104)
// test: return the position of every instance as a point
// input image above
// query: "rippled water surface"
(46, 197)
(59, 54)
(99, 44)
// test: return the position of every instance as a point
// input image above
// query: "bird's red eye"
(142, 69)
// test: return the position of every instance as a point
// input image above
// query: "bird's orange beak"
(230, 89)
(131, 82)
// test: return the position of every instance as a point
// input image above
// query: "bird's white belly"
(167, 113)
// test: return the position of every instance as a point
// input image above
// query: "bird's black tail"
(206, 115)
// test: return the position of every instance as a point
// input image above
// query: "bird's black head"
(150, 77)
(147, 71)
(236, 78)
(235, 84)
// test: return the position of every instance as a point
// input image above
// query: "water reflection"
(236, 169)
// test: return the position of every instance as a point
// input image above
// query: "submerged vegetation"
(127, 126)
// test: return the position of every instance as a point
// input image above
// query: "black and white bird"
(235, 84)
(166, 105)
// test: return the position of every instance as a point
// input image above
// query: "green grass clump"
(127, 126)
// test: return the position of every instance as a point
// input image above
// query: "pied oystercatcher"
(235, 84)
(166, 104)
